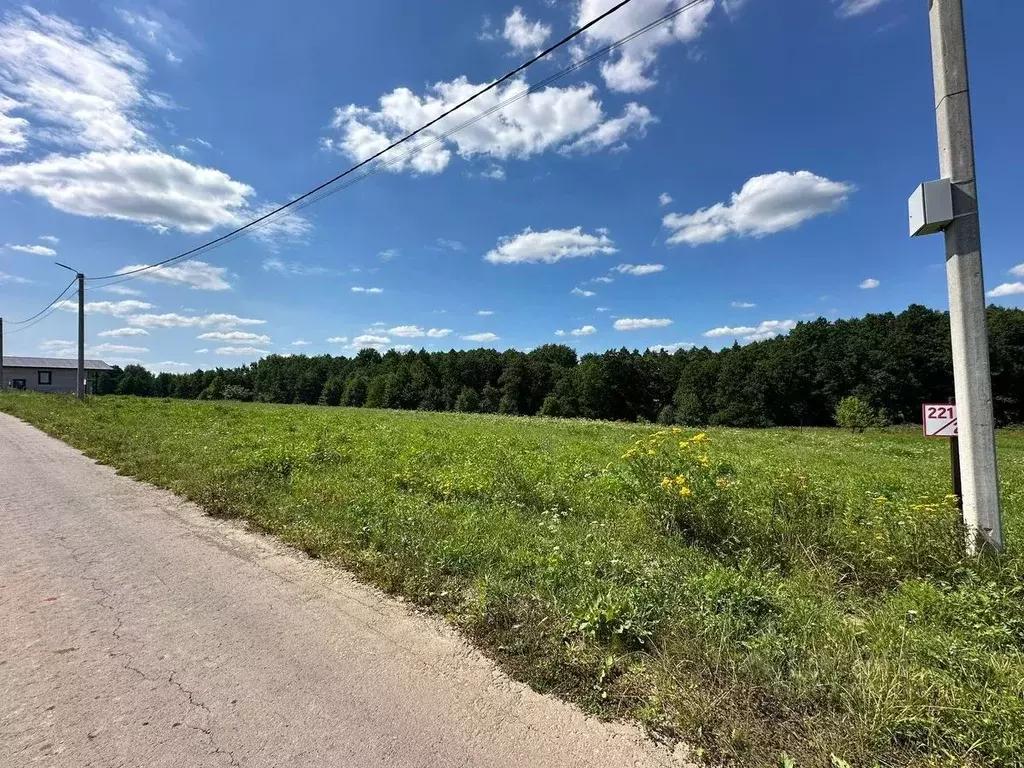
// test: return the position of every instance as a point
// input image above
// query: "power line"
(37, 314)
(321, 191)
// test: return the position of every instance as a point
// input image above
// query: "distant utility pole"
(80, 385)
(972, 374)
(1, 354)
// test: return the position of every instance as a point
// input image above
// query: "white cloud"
(144, 186)
(360, 289)
(664, 199)
(220, 320)
(275, 264)
(559, 333)
(242, 351)
(600, 309)
(301, 343)
(485, 312)
(549, 246)
(552, 118)
(438, 333)
(482, 337)
(202, 143)
(369, 341)
(848, 8)
(118, 348)
(603, 280)
(50, 239)
(388, 255)
(120, 290)
(402, 347)
(522, 34)
(670, 348)
(202, 351)
(407, 331)
(117, 332)
(586, 330)
(765, 205)
(35, 250)
(115, 308)
(451, 245)
(285, 225)
(640, 323)
(197, 275)
(631, 67)
(77, 88)
(639, 269)
(581, 292)
(632, 122)
(741, 305)
(495, 172)
(6, 278)
(53, 345)
(337, 339)
(1018, 270)
(869, 284)
(84, 91)
(1006, 289)
(766, 329)
(234, 336)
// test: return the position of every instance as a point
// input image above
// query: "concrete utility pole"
(80, 385)
(1, 354)
(971, 371)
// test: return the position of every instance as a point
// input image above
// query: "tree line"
(892, 362)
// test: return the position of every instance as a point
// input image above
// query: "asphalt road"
(134, 631)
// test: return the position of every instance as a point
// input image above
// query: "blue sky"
(721, 179)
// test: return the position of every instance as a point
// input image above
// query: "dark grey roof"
(53, 362)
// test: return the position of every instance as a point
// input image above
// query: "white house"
(49, 374)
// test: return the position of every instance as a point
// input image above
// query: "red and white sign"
(939, 420)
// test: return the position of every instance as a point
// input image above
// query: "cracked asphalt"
(135, 631)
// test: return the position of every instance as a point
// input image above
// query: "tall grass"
(752, 593)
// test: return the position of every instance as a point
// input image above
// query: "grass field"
(750, 592)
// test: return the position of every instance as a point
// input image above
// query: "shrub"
(856, 415)
(667, 415)
(237, 392)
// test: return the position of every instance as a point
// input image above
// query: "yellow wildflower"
(722, 482)
(685, 491)
(684, 444)
(704, 460)
(700, 437)
(676, 430)
(666, 482)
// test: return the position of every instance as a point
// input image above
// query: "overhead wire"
(330, 186)
(27, 320)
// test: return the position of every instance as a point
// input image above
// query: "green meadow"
(771, 597)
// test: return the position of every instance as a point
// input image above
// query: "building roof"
(53, 362)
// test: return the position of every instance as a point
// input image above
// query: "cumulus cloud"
(1018, 270)
(234, 336)
(120, 290)
(220, 320)
(143, 186)
(570, 119)
(581, 292)
(360, 289)
(50, 238)
(670, 348)
(631, 67)
(741, 305)
(6, 278)
(765, 205)
(84, 91)
(869, 284)
(482, 337)
(586, 330)
(416, 332)
(301, 343)
(115, 308)
(485, 312)
(559, 333)
(766, 329)
(370, 341)
(197, 275)
(523, 34)
(1006, 289)
(664, 199)
(639, 269)
(640, 323)
(242, 351)
(337, 339)
(35, 250)
(549, 246)
(117, 332)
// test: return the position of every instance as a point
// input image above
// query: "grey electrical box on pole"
(972, 376)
